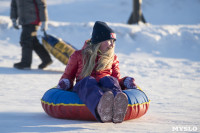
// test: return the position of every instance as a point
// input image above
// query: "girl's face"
(106, 45)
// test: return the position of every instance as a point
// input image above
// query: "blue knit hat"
(101, 32)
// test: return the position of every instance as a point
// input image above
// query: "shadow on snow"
(36, 122)
(9, 70)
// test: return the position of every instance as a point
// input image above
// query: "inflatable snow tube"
(58, 48)
(67, 105)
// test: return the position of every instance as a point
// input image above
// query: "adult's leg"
(40, 50)
(27, 47)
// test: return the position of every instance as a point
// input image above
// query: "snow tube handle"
(45, 34)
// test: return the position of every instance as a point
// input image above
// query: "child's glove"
(64, 84)
(129, 83)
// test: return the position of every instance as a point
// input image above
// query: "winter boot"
(45, 64)
(21, 65)
(120, 107)
(26, 59)
(105, 107)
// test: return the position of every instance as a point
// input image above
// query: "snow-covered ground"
(163, 56)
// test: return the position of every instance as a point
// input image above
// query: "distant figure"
(30, 14)
(136, 15)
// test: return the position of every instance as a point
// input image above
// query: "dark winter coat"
(28, 11)
(75, 66)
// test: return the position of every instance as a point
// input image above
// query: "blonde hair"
(89, 59)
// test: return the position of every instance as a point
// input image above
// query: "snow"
(163, 56)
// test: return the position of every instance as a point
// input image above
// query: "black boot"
(21, 65)
(25, 60)
(45, 64)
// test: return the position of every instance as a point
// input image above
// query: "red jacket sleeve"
(115, 68)
(71, 68)
(116, 72)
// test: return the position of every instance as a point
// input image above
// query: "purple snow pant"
(90, 91)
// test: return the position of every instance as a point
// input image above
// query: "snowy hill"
(163, 56)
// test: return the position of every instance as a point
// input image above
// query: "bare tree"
(136, 14)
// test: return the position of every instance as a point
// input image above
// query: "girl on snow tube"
(97, 73)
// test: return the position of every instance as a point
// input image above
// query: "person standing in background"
(137, 15)
(30, 14)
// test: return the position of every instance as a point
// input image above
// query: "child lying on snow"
(98, 82)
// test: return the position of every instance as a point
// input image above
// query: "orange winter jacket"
(75, 66)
